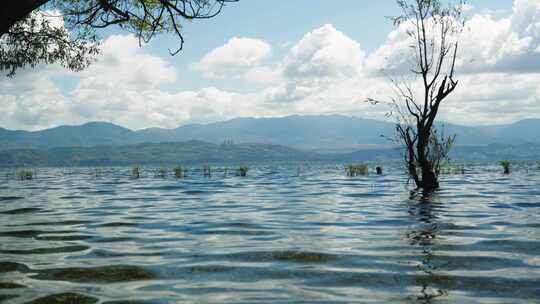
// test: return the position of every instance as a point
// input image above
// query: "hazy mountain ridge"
(152, 153)
(198, 152)
(328, 132)
(86, 135)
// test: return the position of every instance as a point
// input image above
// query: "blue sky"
(288, 21)
(290, 57)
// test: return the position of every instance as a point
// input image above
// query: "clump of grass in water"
(506, 166)
(242, 171)
(179, 172)
(136, 172)
(98, 172)
(357, 170)
(207, 171)
(162, 173)
(25, 175)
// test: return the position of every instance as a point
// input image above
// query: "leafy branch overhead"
(64, 31)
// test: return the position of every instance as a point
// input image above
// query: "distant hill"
(86, 135)
(150, 153)
(302, 132)
(329, 133)
(197, 152)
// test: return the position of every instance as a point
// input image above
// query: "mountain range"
(326, 133)
(188, 152)
(198, 152)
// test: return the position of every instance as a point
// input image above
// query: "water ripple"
(286, 233)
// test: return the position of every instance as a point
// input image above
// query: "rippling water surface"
(285, 233)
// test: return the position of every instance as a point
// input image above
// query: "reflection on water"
(424, 208)
(285, 233)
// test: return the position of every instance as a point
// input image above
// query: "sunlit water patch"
(284, 233)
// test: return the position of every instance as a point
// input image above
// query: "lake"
(285, 233)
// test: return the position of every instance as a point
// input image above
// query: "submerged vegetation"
(352, 170)
(25, 174)
(98, 172)
(179, 172)
(357, 170)
(136, 172)
(162, 172)
(207, 171)
(242, 171)
(506, 166)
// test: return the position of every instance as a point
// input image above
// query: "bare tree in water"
(433, 30)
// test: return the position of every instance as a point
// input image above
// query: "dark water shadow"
(65, 298)
(104, 274)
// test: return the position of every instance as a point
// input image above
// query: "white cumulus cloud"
(321, 57)
(324, 53)
(233, 57)
(487, 44)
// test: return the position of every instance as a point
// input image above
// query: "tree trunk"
(412, 165)
(13, 11)
(429, 180)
